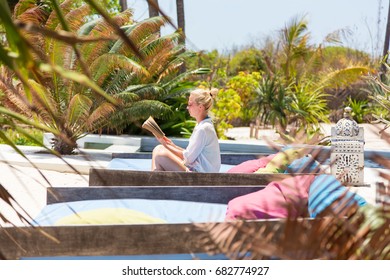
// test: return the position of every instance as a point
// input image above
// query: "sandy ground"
(28, 187)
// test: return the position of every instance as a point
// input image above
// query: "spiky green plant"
(379, 91)
(359, 109)
(90, 75)
(309, 106)
(272, 102)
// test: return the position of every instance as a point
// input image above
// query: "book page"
(151, 125)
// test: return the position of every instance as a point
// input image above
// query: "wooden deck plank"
(209, 194)
(113, 177)
(102, 240)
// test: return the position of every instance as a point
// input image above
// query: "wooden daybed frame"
(118, 177)
(115, 240)
(112, 177)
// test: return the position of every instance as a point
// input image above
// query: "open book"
(151, 125)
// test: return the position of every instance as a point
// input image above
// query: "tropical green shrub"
(20, 138)
(245, 85)
(211, 59)
(247, 60)
(226, 109)
(338, 57)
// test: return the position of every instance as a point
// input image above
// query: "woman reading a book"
(202, 153)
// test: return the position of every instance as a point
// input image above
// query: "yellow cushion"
(106, 216)
(279, 163)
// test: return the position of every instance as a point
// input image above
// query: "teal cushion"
(326, 189)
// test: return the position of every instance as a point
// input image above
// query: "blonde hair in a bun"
(205, 97)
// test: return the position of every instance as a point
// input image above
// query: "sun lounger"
(177, 238)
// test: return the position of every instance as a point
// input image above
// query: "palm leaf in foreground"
(352, 234)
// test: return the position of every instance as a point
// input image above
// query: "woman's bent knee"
(159, 150)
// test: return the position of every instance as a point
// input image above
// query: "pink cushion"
(250, 166)
(287, 198)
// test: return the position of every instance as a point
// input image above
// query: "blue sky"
(222, 24)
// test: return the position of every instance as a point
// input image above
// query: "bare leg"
(164, 160)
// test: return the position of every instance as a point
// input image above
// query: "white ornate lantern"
(347, 156)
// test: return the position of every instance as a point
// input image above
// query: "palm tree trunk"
(12, 4)
(180, 18)
(386, 44)
(181, 27)
(64, 146)
(153, 8)
(123, 4)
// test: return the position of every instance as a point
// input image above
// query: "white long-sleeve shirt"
(203, 153)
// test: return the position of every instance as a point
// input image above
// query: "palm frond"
(35, 15)
(53, 20)
(160, 63)
(352, 233)
(119, 46)
(127, 97)
(9, 200)
(144, 28)
(141, 110)
(178, 58)
(173, 37)
(136, 112)
(42, 103)
(103, 29)
(12, 96)
(100, 117)
(159, 53)
(294, 33)
(334, 37)
(87, 27)
(156, 108)
(141, 34)
(16, 43)
(106, 64)
(77, 17)
(180, 90)
(118, 81)
(26, 120)
(147, 91)
(173, 82)
(22, 6)
(78, 78)
(79, 109)
(239, 240)
(344, 76)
